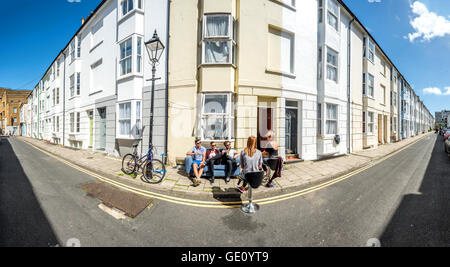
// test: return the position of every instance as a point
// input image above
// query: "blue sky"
(35, 31)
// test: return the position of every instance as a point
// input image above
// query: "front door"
(102, 129)
(380, 129)
(291, 129)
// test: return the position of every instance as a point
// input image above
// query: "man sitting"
(213, 156)
(229, 156)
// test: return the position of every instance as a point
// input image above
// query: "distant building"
(10, 103)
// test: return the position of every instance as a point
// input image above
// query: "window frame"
(126, 57)
(230, 38)
(333, 14)
(336, 120)
(370, 123)
(333, 66)
(228, 115)
(120, 119)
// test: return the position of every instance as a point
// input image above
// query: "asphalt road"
(403, 201)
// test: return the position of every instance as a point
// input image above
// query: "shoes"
(270, 185)
(241, 189)
(227, 180)
(212, 181)
(197, 182)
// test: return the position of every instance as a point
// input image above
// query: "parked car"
(447, 146)
(446, 134)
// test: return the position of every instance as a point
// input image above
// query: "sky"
(415, 34)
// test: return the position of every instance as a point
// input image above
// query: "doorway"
(91, 128)
(102, 129)
(380, 129)
(291, 128)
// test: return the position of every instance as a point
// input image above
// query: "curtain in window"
(331, 119)
(125, 118)
(216, 104)
(215, 127)
(217, 26)
(217, 51)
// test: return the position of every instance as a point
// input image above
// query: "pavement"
(294, 177)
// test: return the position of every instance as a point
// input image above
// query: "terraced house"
(308, 71)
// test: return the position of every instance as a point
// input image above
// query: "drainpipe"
(349, 55)
(64, 101)
(167, 80)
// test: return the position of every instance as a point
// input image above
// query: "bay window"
(127, 6)
(139, 54)
(72, 122)
(78, 83)
(217, 117)
(72, 85)
(370, 50)
(78, 122)
(319, 119)
(126, 56)
(331, 120)
(125, 118)
(332, 65)
(218, 39)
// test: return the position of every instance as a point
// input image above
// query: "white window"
(57, 96)
(281, 51)
(320, 15)
(54, 97)
(333, 14)
(371, 84)
(371, 50)
(125, 118)
(320, 65)
(72, 122)
(331, 120)
(364, 83)
(78, 122)
(383, 88)
(138, 118)
(332, 65)
(79, 47)
(217, 118)
(218, 39)
(57, 123)
(126, 59)
(319, 118)
(72, 51)
(127, 6)
(78, 83)
(57, 69)
(72, 85)
(139, 54)
(370, 122)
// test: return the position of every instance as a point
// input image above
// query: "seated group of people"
(251, 159)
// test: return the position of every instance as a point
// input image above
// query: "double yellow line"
(218, 204)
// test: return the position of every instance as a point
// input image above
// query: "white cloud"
(427, 25)
(436, 91)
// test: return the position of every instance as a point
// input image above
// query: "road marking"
(226, 205)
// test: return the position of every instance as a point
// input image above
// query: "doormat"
(131, 204)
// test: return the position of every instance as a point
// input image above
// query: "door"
(102, 129)
(291, 128)
(380, 129)
(91, 128)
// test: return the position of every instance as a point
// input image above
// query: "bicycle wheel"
(129, 164)
(154, 172)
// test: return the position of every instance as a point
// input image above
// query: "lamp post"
(155, 49)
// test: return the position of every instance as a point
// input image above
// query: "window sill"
(291, 7)
(73, 97)
(282, 73)
(95, 46)
(129, 14)
(370, 97)
(130, 75)
(96, 92)
(217, 65)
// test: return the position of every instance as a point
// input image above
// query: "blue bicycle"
(153, 170)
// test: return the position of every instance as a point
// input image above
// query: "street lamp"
(155, 48)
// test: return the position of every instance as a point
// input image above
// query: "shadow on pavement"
(423, 219)
(22, 221)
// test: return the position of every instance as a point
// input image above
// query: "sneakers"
(270, 185)
(241, 189)
(227, 180)
(212, 181)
